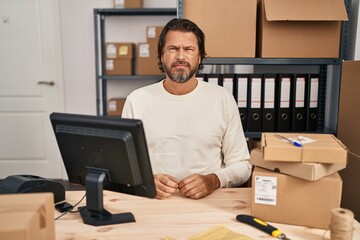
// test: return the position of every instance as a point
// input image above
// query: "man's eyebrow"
(178, 46)
(173, 45)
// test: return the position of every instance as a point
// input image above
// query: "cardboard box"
(229, 27)
(20, 225)
(351, 196)
(119, 50)
(285, 199)
(119, 58)
(325, 148)
(121, 66)
(153, 34)
(349, 134)
(30, 210)
(300, 29)
(115, 106)
(146, 61)
(128, 4)
(306, 171)
(349, 112)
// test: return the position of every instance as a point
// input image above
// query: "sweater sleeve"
(237, 169)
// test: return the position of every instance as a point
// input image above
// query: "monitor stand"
(94, 212)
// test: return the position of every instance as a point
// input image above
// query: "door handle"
(50, 83)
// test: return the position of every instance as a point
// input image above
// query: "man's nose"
(180, 54)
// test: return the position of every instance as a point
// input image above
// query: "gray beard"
(179, 76)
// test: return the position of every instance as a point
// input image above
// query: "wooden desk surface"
(176, 217)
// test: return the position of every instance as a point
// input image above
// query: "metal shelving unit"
(323, 106)
(99, 42)
(271, 61)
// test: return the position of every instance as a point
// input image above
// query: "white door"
(31, 87)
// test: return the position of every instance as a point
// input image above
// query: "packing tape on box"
(341, 224)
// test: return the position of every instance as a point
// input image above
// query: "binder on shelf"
(213, 78)
(201, 77)
(283, 116)
(268, 103)
(228, 81)
(298, 103)
(312, 99)
(254, 102)
(242, 98)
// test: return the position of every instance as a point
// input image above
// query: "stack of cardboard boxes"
(119, 58)
(269, 28)
(120, 61)
(147, 62)
(297, 185)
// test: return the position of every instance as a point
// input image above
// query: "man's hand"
(197, 186)
(166, 185)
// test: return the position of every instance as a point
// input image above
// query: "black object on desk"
(32, 184)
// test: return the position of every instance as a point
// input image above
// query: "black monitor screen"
(104, 153)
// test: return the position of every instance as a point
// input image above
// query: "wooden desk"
(176, 217)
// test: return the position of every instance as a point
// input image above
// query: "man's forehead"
(181, 38)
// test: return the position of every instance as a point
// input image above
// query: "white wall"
(78, 48)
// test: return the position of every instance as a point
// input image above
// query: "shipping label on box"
(144, 50)
(291, 200)
(109, 64)
(316, 148)
(306, 171)
(110, 51)
(123, 51)
(265, 190)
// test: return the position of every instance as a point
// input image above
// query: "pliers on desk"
(261, 225)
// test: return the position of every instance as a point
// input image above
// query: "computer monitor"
(104, 153)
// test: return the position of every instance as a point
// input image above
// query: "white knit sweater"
(199, 132)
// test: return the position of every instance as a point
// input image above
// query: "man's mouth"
(181, 64)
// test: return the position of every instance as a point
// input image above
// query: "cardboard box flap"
(316, 148)
(307, 171)
(305, 10)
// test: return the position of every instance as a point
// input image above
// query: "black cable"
(70, 211)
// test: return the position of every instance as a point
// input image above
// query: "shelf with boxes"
(122, 60)
(284, 39)
(239, 44)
